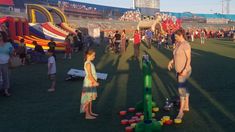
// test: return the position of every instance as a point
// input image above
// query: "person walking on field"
(123, 41)
(202, 36)
(117, 41)
(149, 37)
(182, 63)
(137, 41)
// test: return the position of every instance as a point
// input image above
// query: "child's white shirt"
(51, 60)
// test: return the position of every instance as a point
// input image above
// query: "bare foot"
(180, 115)
(93, 114)
(7, 94)
(90, 117)
(51, 90)
(186, 109)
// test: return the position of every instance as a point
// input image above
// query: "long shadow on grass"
(228, 44)
(163, 83)
(110, 96)
(143, 42)
(121, 90)
(135, 83)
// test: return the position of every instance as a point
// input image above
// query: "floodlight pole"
(228, 6)
(133, 2)
(222, 6)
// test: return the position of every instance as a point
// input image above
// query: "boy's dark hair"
(22, 40)
(180, 32)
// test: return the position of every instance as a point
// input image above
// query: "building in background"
(147, 7)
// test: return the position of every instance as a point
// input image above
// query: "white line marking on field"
(194, 53)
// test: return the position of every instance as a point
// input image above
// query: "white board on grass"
(81, 73)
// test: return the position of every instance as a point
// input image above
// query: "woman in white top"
(6, 50)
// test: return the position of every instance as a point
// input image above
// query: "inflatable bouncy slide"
(34, 29)
(54, 25)
(18, 28)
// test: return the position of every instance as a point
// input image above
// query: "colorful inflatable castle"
(55, 22)
(162, 25)
(34, 30)
(171, 25)
(18, 28)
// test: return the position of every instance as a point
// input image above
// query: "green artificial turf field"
(212, 87)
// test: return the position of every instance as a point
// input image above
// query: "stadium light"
(227, 6)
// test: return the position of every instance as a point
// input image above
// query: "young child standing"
(51, 70)
(89, 92)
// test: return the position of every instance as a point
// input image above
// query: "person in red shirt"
(137, 41)
(68, 49)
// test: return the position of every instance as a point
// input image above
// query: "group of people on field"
(181, 61)
(117, 41)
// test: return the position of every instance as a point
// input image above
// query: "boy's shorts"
(182, 88)
(52, 77)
